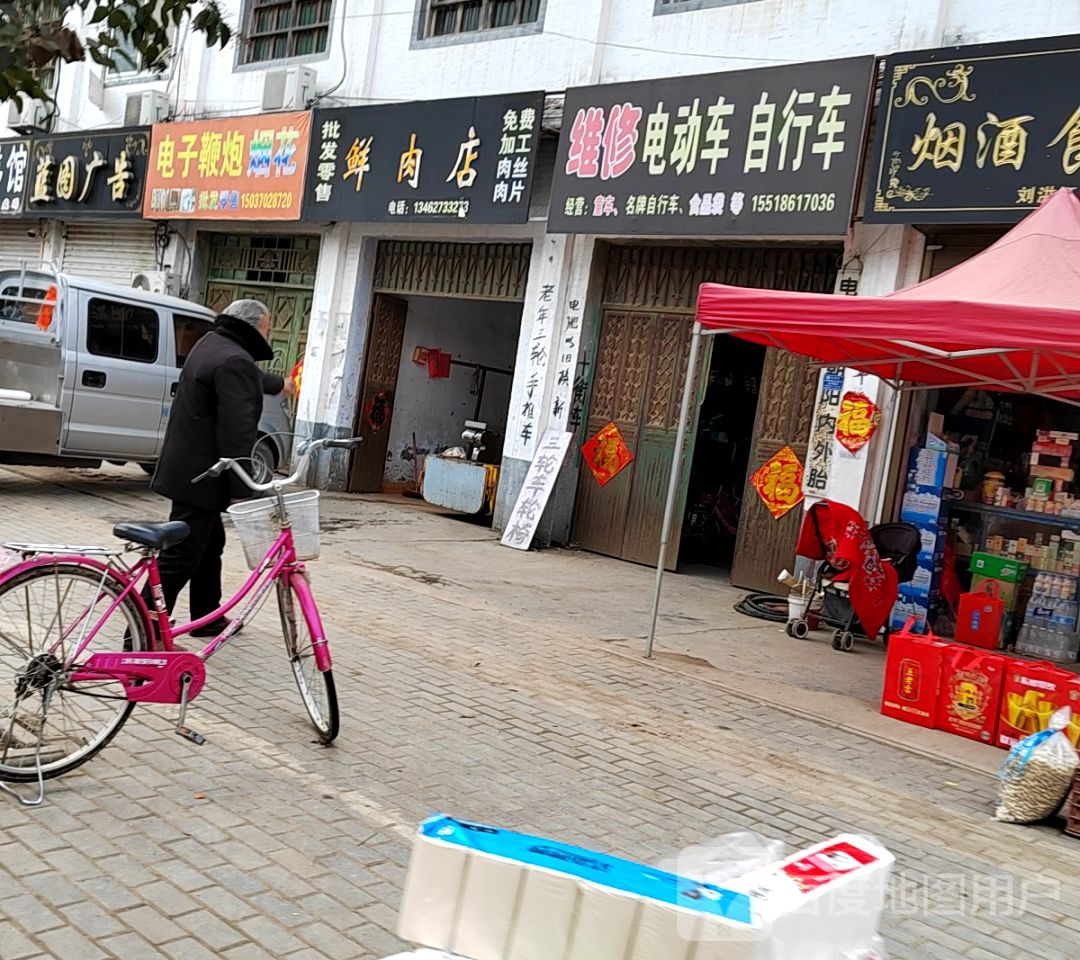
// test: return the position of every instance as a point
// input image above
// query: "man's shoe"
(214, 629)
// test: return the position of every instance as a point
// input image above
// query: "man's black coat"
(215, 414)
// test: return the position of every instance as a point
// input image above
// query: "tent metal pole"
(673, 482)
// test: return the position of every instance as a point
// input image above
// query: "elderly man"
(215, 414)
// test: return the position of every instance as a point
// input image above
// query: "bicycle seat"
(156, 535)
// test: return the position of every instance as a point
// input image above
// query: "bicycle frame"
(157, 677)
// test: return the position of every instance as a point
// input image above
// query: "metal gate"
(110, 251)
(637, 382)
(278, 270)
(19, 243)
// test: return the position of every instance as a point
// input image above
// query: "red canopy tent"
(1008, 319)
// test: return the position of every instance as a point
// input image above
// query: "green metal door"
(280, 271)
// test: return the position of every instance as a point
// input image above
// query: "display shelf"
(1008, 513)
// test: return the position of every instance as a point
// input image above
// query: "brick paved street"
(502, 706)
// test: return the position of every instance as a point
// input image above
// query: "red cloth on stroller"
(837, 534)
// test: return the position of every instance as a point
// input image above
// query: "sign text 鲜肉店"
(979, 134)
(233, 168)
(468, 160)
(766, 152)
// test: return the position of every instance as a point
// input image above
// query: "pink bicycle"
(78, 650)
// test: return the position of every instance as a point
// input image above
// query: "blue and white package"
(482, 893)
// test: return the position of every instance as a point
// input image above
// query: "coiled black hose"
(764, 606)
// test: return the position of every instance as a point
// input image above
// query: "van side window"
(122, 330)
(188, 332)
(18, 310)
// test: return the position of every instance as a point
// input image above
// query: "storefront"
(20, 240)
(754, 172)
(972, 140)
(91, 184)
(247, 172)
(443, 319)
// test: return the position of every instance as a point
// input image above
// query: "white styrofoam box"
(821, 902)
(487, 894)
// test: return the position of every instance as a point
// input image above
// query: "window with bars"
(684, 6)
(282, 29)
(443, 18)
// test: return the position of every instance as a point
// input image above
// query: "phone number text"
(793, 202)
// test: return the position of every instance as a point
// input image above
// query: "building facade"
(554, 314)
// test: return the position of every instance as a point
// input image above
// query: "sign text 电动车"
(766, 152)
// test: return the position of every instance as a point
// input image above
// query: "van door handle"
(172, 388)
(93, 378)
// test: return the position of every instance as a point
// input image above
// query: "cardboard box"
(913, 677)
(971, 685)
(998, 568)
(1030, 695)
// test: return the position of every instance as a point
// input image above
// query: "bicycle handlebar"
(228, 463)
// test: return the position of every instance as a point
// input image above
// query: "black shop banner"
(470, 160)
(979, 134)
(14, 164)
(99, 174)
(765, 152)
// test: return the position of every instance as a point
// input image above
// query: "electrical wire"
(764, 606)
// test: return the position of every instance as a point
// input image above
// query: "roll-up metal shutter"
(17, 244)
(111, 252)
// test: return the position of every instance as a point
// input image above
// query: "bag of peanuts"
(1037, 774)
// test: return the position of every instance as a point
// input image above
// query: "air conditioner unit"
(291, 89)
(27, 116)
(145, 108)
(157, 281)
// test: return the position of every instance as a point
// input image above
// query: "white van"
(88, 371)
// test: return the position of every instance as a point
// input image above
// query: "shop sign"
(234, 168)
(14, 170)
(979, 134)
(536, 490)
(91, 174)
(822, 431)
(468, 161)
(778, 482)
(765, 152)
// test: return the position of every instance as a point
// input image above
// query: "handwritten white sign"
(536, 491)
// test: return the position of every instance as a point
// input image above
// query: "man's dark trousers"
(195, 559)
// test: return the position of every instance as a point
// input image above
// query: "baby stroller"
(858, 579)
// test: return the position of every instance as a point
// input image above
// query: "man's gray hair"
(250, 311)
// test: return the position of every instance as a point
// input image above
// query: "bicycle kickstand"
(181, 729)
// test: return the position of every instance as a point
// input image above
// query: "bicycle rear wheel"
(44, 718)
(316, 688)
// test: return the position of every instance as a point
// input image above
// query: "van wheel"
(263, 461)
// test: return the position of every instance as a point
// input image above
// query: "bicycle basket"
(258, 530)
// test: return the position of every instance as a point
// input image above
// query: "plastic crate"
(258, 529)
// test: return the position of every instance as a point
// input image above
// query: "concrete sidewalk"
(502, 687)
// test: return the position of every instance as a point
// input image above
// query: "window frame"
(248, 37)
(423, 20)
(114, 302)
(662, 8)
(179, 320)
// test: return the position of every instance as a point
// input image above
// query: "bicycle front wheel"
(316, 687)
(45, 719)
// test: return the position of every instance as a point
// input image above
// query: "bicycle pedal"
(193, 735)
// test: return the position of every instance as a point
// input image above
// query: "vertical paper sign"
(536, 491)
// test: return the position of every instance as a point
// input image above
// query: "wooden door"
(382, 359)
(640, 372)
(765, 546)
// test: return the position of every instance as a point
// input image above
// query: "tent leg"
(673, 482)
